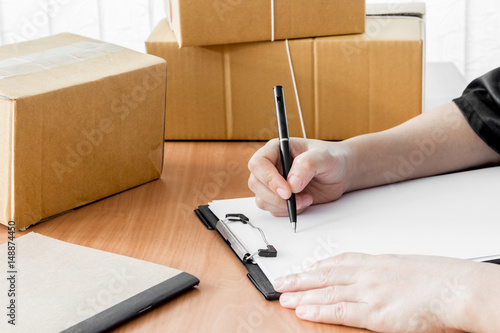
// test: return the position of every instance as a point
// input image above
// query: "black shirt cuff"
(480, 105)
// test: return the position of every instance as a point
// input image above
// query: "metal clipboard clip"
(236, 244)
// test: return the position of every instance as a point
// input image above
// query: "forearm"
(435, 142)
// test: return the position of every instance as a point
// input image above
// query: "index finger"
(263, 165)
(316, 279)
(342, 259)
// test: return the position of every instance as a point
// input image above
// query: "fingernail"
(301, 311)
(283, 193)
(285, 299)
(295, 182)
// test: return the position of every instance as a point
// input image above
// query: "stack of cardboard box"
(223, 64)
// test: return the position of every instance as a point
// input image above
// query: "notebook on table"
(65, 287)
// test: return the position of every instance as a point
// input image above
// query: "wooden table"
(155, 222)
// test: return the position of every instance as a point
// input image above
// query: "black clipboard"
(255, 274)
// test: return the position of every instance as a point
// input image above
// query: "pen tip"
(294, 227)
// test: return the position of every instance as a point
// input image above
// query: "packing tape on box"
(57, 57)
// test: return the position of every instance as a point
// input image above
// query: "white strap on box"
(295, 88)
(291, 69)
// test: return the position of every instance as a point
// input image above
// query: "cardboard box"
(212, 22)
(348, 85)
(80, 120)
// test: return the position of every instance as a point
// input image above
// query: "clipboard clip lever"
(269, 252)
(237, 218)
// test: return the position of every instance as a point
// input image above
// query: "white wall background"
(124, 22)
(464, 32)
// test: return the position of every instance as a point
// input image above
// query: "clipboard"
(255, 273)
(412, 217)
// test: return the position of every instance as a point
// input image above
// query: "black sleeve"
(480, 104)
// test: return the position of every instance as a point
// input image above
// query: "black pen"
(286, 156)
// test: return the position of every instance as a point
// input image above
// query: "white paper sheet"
(452, 215)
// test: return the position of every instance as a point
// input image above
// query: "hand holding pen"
(317, 175)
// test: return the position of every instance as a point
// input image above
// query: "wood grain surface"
(155, 222)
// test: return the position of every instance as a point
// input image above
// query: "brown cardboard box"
(79, 120)
(348, 85)
(212, 22)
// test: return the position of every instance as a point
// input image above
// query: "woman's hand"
(319, 174)
(322, 171)
(397, 293)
